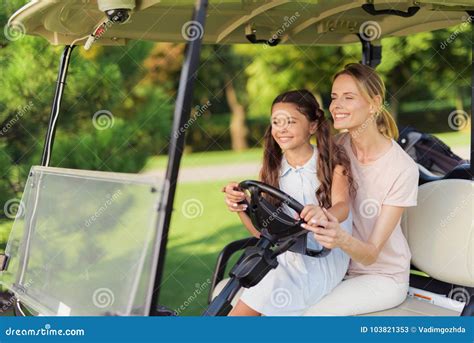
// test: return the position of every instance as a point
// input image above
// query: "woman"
(387, 182)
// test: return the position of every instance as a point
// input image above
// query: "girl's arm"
(340, 199)
(248, 224)
(340, 194)
(331, 235)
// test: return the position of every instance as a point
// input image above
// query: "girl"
(312, 176)
(387, 180)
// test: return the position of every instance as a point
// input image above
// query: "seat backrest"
(440, 230)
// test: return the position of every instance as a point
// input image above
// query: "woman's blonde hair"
(370, 84)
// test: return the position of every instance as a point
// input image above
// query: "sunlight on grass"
(455, 138)
(207, 158)
(197, 235)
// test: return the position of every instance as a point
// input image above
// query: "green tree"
(102, 80)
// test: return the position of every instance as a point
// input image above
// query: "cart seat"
(440, 235)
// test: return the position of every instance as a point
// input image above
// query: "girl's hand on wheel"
(233, 196)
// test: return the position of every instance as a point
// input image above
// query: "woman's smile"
(340, 116)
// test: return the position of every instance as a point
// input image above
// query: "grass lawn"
(455, 138)
(207, 158)
(194, 245)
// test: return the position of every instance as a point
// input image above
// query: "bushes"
(112, 143)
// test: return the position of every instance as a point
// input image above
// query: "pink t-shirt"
(390, 180)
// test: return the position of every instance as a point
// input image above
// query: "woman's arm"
(367, 252)
(331, 235)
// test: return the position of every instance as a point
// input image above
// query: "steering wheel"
(272, 222)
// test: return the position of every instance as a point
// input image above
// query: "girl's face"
(348, 107)
(290, 128)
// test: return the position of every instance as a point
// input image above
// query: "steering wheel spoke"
(273, 222)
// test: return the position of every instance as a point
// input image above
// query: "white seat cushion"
(410, 307)
(414, 307)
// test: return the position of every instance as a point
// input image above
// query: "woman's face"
(348, 107)
(290, 128)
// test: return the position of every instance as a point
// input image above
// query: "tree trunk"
(238, 129)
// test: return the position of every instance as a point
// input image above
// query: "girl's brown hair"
(330, 154)
(370, 84)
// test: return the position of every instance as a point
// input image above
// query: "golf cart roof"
(334, 22)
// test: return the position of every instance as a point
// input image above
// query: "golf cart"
(62, 251)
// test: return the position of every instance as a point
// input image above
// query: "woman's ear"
(377, 103)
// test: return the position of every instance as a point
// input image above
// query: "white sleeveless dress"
(299, 281)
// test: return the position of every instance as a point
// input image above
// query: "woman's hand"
(233, 196)
(328, 232)
(313, 214)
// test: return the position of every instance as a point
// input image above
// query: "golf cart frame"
(371, 55)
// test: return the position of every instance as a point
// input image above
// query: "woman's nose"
(336, 103)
